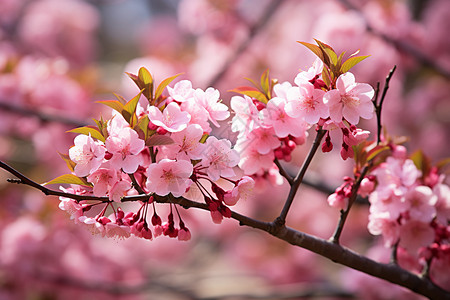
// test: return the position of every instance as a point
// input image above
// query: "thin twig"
(281, 220)
(344, 213)
(136, 184)
(379, 105)
(283, 172)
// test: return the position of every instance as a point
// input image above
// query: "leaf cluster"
(334, 65)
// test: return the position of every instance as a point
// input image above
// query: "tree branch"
(344, 213)
(281, 220)
(330, 250)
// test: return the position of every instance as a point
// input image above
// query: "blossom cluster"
(273, 129)
(410, 208)
(162, 150)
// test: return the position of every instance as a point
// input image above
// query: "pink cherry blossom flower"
(186, 144)
(219, 158)
(275, 115)
(171, 119)
(182, 91)
(262, 139)
(421, 200)
(306, 101)
(415, 234)
(242, 191)
(253, 162)
(199, 115)
(114, 230)
(313, 71)
(119, 190)
(87, 154)
(209, 100)
(281, 89)
(442, 192)
(169, 176)
(125, 146)
(102, 179)
(384, 226)
(350, 100)
(246, 115)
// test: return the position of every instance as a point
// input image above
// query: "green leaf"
(351, 62)
(121, 99)
(326, 76)
(69, 162)
(377, 151)
(68, 179)
(265, 83)
(146, 83)
(422, 162)
(130, 108)
(114, 104)
(159, 140)
(315, 49)
(163, 84)
(89, 130)
(251, 92)
(143, 125)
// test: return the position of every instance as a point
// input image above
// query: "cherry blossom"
(276, 116)
(242, 190)
(169, 176)
(422, 203)
(103, 179)
(253, 162)
(125, 146)
(219, 158)
(209, 100)
(87, 154)
(262, 139)
(182, 91)
(350, 100)
(306, 101)
(171, 119)
(246, 115)
(186, 144)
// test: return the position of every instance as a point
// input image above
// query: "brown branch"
(330, 250)
(379, 105)
(281, 220)
(283, 172)
(344, 213)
